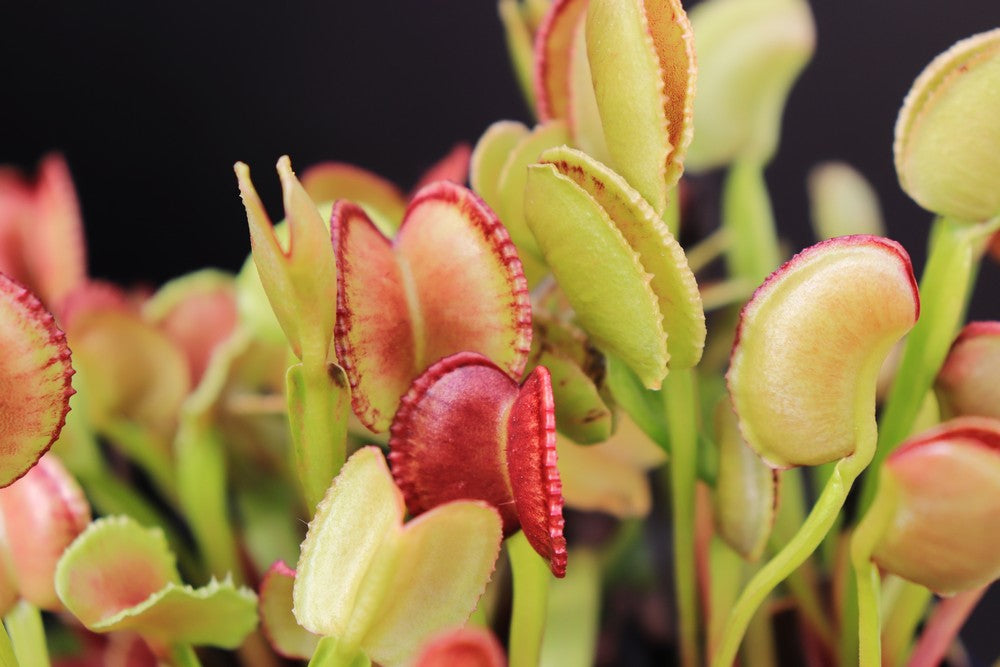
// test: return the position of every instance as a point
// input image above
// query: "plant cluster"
(385, 439)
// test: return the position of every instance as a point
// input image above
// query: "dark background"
(153, 102)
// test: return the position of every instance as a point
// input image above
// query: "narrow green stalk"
(318, 405)
(801, 582)
(805, 541)
(746, 213)
(330, 653)
(183, 655)
(727, 574)
(708, 249)
(726, 293)
(901, 621)
(868, 588)
(148, 451)
(27, 634)
(7, 658)
(943, 626)
(201, 485)
(944, 289)
(681, 403)
(531, 597)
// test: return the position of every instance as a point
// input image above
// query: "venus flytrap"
(35, 376)
(363, 578)
(118, 575)
(616, 261)
(842, 202)
(43, 243)
(966, 384)
(404, 304)
(40, 515)
(932, 489)
(497, 173)
(577, 370)
(471, 647)
(946, 160)
(301, 285)
(802, 379)
(749, 54)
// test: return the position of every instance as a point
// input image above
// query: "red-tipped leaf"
(451, 281)
(35, 377)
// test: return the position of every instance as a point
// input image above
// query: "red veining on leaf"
(553, 50)
(446, 437)
(387, 338)
(41, 411)
(534, 473)
(673, 41)
(474, 210)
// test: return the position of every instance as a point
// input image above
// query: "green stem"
(531, 595)
(726, 577)
(7, 658)
(868, 588)
(746, 213)
(943, 627)
(681, 405)
(331, 653)
(708, 249)
(318, 402)
(944, 290)
(27, 634)
(801, 582)
(146, 449)
(805, 541)
(201, 484)
(901, 621)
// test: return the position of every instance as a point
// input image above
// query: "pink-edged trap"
(284, 634)
(466, 430)
(554, 44)
(450, 281)
(462, 647)
(35, 377)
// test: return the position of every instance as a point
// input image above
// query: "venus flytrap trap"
(300, 283)
(531, 344)
(118, 575)
(932, 489)
(802, 380)
(363, 578)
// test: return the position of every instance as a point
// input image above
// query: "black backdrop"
(152, 102)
